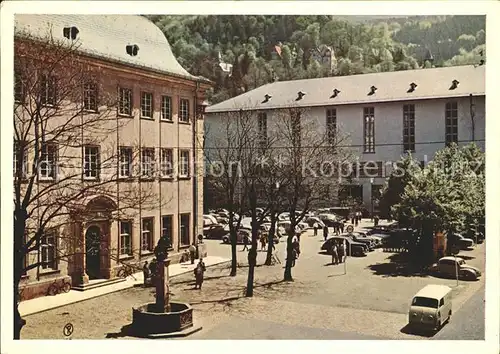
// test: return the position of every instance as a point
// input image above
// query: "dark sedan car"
(357, 248)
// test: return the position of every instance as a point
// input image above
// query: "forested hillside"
(240, 53)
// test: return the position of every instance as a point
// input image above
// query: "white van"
(431, 307)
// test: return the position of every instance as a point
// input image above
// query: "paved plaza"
(367, 299)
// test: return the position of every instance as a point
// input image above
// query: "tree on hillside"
(58, 117)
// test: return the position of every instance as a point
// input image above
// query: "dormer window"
(412, 88)
(266, 98)
(454, 84)
(300, 94)
(70, 32)
(372, 90)
(335, 93)
(132, 49)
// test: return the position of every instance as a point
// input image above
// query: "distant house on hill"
(325, 56)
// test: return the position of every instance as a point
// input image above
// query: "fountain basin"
(147, 321)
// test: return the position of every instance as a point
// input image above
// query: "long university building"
(381, 116)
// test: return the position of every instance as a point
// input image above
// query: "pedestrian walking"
(325, 232)
(245, 243)
(353, 216)
(356, 218)
(335, 256)
(192, 252)
(341, 252)
(296, 247)
(263, 242)
(375, 220)
(342, 226)
(145, 272)
(199, 274)
(315, 226)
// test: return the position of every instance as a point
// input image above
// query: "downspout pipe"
(472, 117)
(195, 165)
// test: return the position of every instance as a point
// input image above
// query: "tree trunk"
(288, 265)
(270, 240)
(18, 320)
(20, 216)
(234, 261)
(252, 256)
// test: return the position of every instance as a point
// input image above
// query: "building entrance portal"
(93, 252)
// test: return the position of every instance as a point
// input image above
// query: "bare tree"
(65, 153)
(310, 159)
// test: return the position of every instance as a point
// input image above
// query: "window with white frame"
(48, 90)
(48, 250)
(148, 162)
(48, 161)
(146, 105)
(23, 164)
(167, 228)
(262, 126)
(184, 229)
(331, 125)
(125, 162)
(125, 101)
(184, 163)
(167, 162)
(369, 129)
(90, 96)
(184, 110)
(409, 127)
(126, 238)
(147, 234)
(451, 121)
(91, 162)
(166, 108)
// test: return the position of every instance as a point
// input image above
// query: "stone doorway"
(93, 252)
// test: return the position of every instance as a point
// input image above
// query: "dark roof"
(354, 89)
(107, 36)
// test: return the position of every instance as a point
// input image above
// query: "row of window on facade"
(451, 126)
(49, 162)
(48, 96)
(49, 242)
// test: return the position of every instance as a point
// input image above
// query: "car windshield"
(425, 302)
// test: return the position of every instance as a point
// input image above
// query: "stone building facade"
(151, 163)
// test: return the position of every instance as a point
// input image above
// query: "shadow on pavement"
(407, 329)
(399, 266)
(125, 331)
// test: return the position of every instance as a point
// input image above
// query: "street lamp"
(371, 191)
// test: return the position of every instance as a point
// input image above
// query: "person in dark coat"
(145, 272)
(192, 252)
(198, 274)
(375, 220)
(315, 226)
(325, 232)
(245, 243)
(341, 251)
(342, 227)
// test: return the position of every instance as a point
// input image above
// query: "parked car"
(209, 219)
(447, 266)
(365, 240)
(328, 219)
(460, 241)
(314, 219)
(216, 231)
(357, 249)
(242, 232)
(431, 307)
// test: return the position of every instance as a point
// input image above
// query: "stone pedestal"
(162, 286)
